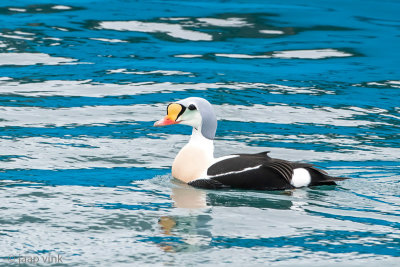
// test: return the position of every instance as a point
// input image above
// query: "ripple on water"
(308, 227)
(85, 175)
(90, 88)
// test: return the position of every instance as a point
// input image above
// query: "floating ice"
(61, 7)
(161, 72)
(242, 56)
(91, 89)
(311, 54)
(188, 56)
(229, 22)
(272, 32)
(24, 59)
(301, 54)
(173, 30)
(109, 40)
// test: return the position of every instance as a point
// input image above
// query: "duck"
(195, 163)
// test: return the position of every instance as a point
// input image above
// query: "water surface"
(84, 175)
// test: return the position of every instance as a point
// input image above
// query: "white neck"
(197, 139)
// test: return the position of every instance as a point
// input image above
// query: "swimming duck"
(195, 163)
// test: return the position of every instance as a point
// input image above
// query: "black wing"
(247, 171)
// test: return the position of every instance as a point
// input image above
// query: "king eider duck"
(195, 163)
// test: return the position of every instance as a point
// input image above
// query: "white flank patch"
(301, 177)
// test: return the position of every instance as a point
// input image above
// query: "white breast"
(194, 158)
(190, 163)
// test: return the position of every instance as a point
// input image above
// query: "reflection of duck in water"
(195, 230)
(185, 233)
(195, 163)
(185, 196)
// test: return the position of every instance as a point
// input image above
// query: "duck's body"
(195, 163)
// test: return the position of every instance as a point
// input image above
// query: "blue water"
(85, 176)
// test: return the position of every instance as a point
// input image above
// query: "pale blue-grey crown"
(209, 120)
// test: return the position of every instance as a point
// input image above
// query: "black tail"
(320, 177)
(329, 181)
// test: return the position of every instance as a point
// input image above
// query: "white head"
(193, 111)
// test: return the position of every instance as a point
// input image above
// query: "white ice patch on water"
(16, 37)
(109, 40)
(284, 114)
(244, 56)
(52, 38)
(61, 29)
(24, 59)
(92, 89)
(77, 116)
(100, 115)
(311, 54)
(17, 9)
(188, 56)
(300, 54)
(173, 30)
(89, 152)
(175, 19)
(392, 84)
(85, 152)
(61, 7)
(161, 72)
(24, 33)
(228, 22)
(337, 140)
(272, 32)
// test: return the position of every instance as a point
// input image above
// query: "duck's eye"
(192, 107)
